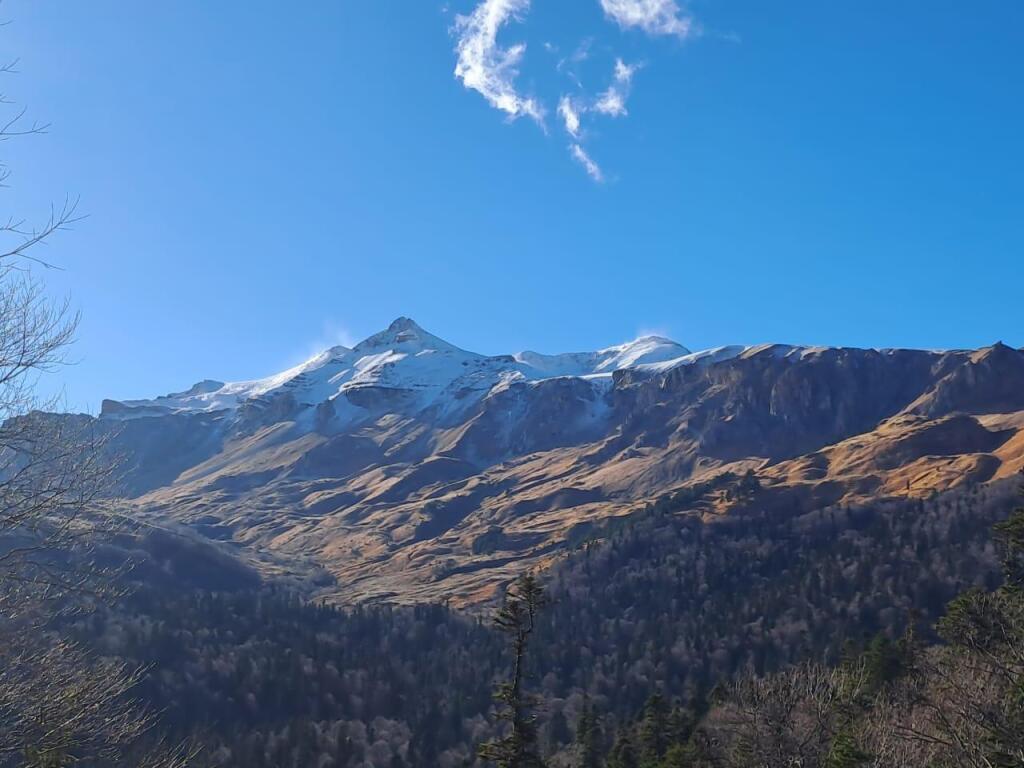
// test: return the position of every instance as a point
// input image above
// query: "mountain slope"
(409, 469)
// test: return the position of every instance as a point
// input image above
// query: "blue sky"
(265, 178)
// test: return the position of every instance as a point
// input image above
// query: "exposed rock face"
(412, 470)
(988, 382)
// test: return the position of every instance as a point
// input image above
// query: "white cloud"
(580, 155)
(613, 101)
(336, 333)
(492, 69)
(624, 72)
(580, 53)
(332, 334)
(655, 17)
(570, 116)
(486, 67)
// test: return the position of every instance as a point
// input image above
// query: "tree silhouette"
(517, 619)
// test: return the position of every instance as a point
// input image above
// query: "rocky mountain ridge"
(407, 469)
(426, 370)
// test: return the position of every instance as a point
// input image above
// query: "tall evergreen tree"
(517, 619)
(588, 737)
(654, 730)
(883, 661)
(1009, 537)
(558, 733)
(681, 723)
(623, 754)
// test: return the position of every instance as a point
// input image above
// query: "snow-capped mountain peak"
(644, 350)
(406, 336)
(417, 367)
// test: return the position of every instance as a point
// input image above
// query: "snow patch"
(428, 371)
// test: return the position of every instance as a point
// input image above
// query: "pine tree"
(885, 660)
(588, 737)
(558, 733)
(1009, 537)
(517, 619)
(654, 730)
(678, 756)
(623, 754)
(844, 753)
(681, 723)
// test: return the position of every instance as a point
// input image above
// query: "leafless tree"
(59, 705)
(962, 706)
(788, 720)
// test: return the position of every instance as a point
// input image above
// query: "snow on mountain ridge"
(407, 358)
(404, 334)
(645, 350)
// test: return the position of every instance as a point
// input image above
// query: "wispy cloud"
(655, 17)
(569, 65)
(580, 155)
(486, 67)
(492, 69)
(332, 334)
(580, 53)
(624, 72)
(612, 102)
(570, 115)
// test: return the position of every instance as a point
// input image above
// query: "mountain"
(408, 469)
(405, 367)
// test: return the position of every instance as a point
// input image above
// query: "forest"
(652, 624)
